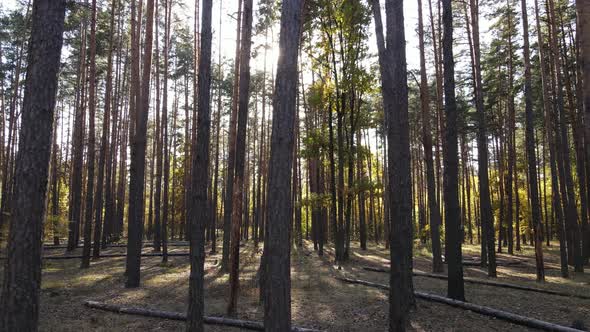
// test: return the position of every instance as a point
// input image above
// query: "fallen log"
(210, 320)
(474, 262)
(487, 283)
(150, 254)
(486, 311)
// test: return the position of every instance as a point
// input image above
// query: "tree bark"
(451, 164)
(90, 154)
(55, 181)
(562, 150)
(199, 207)
(137, 167)
(164, 131)
(392, 64)
(530, 147)
(511, 142)
(277, 302)
(237, 200)
(361, 177)
(100, 183)
(231, 148)
(433, 206)
(159, 153)
(75, 209)
(214, 213)
(111, 147)
(22, 272)
(583, 35)
(486, 212)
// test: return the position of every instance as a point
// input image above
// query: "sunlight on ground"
(167, 278)
(318, 299)
(89, 279)
(375, 258)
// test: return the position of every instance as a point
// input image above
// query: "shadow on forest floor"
(318, 299)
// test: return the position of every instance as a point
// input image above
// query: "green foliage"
(495, 63)
(316, 200)
(182, 52)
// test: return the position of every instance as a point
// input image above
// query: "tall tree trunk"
(361, 177)
(22, 272)
(215, 213)
(530, 147)
(199, 207)
(350, 166)
(238, 186)
(298, 238)
(112, 148)
(436, 41)
(231, 148)
(159, 153)
(576, 119)
(172, 163)
(511, 144)
(118, 121)
(55, 216)
(100, 183)
(333, 213)
(261, 203)
(556, 200)
(372, 216)
(122, 182)
(75, 209)
(299, 198)
(562, 150)
(583, 37)
(433, 206)
(549, 218)
(187, 145)
(340, 231)
(91, 143)
(135, 40)
(137, 168)
(193, 134)
(277, 302)
(486, 212)
(164, 130)
(392, 64)
(503, 145)
(451, 164)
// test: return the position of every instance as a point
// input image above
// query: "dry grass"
(318, 300)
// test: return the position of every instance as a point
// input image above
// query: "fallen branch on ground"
(487, 283)
(499, 262)
(487, 311)
(244, 324)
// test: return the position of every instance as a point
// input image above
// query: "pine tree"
(451, 164)
(392, 64)
(137, 168)
(530, 147)
(238, 186)
(277, 301)
(22, 274)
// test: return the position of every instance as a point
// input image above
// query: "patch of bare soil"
(318, 299)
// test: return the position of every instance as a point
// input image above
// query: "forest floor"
(318, 299)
